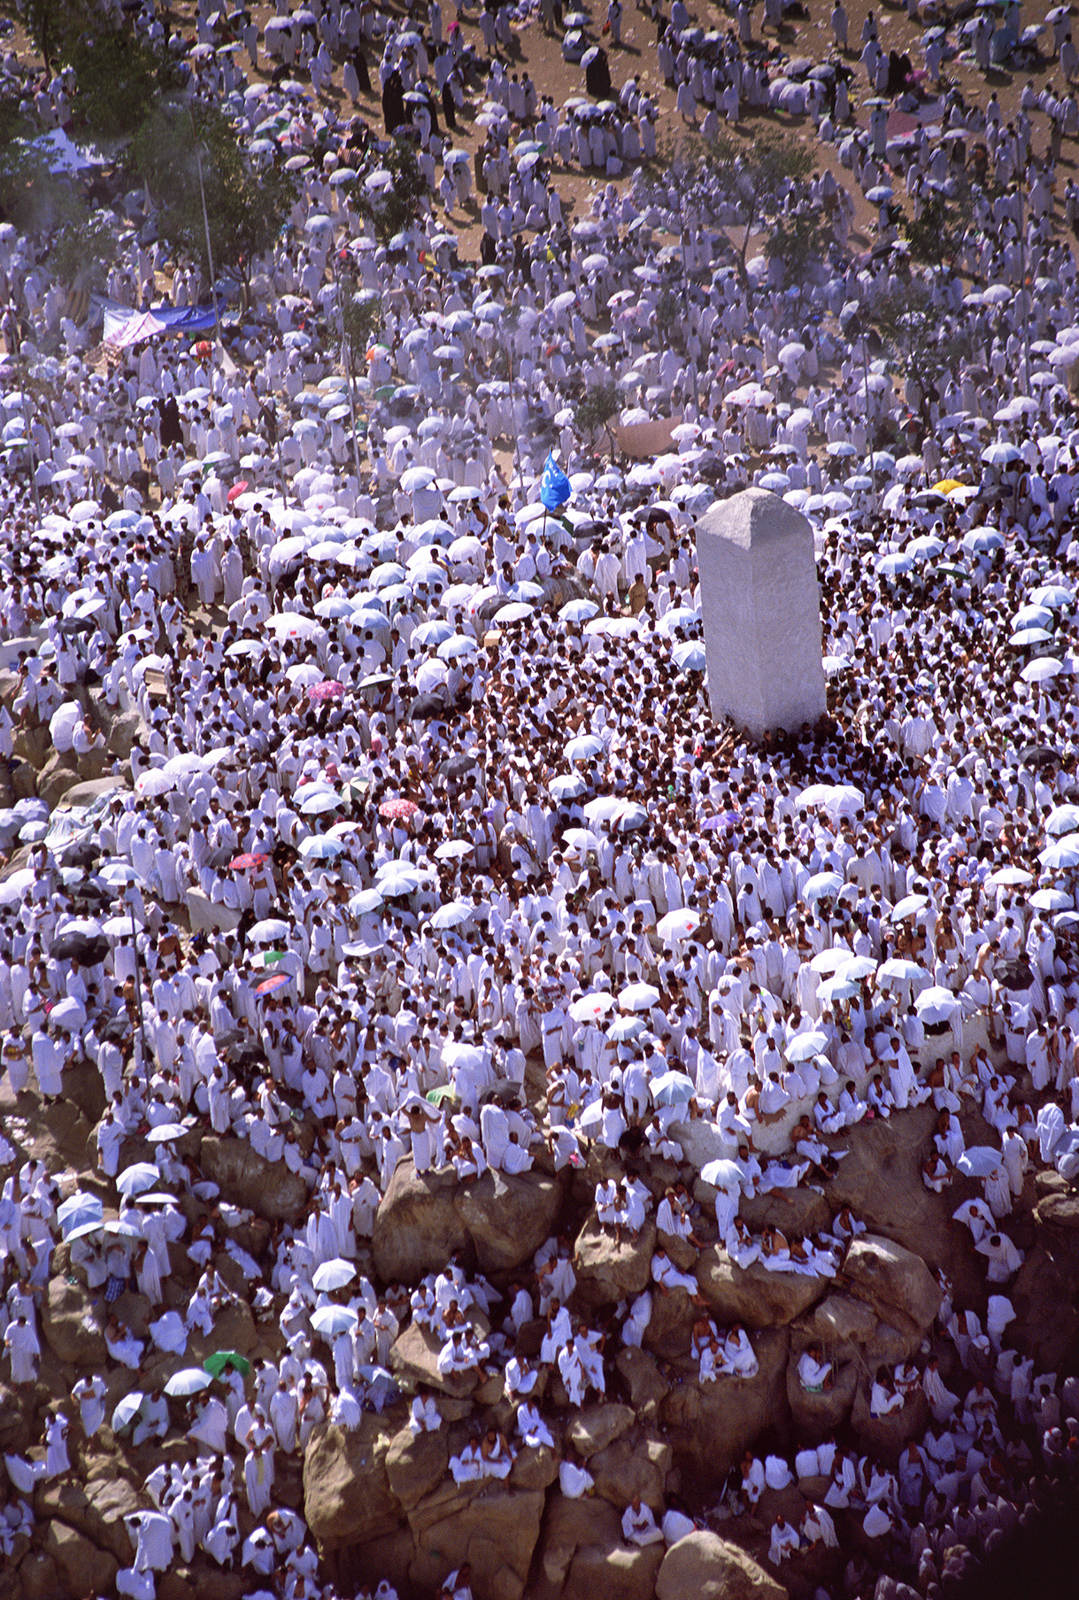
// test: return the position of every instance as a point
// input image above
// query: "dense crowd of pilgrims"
(493, 891)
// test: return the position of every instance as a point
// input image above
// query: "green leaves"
(245, 209)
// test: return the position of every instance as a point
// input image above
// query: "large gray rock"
(424, 1218)
(704, 1567)
(414, 1358)
(266, 1187)
(608, 1270)
(494, 1529)
(637, 1462)
(125, 729)
(72, 1331)
(712, 1424)
(880, 1179)
(883, 1438)
(894, 1281)
(346, 1486)
(96, 1509)
(569, 1526)
(761, 609)
(817, 1416)
(617, 1572)
(59, 774)
(414, 1465)
(753, 1295)
(593, 1428)
(83, 1568)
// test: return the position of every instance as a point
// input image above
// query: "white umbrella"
(1062, 854)
(590, 1007)
(1062, 819)
(638, 997)
(136, 1179)
(823, 885)
(804, 1046)
(1051, 900)
(838, 988)
(898, 970)
(1041, 669)
(936, 1004)
(672, 1089)
(189, 1381)
(452, 914)
(334, 1274)
(332, 1320)
(584, 748)
(677, 925)
(908, 906)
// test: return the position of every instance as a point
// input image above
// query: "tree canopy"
(182, 152)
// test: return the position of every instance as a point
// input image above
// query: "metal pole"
(346, 348)
(1023, 270)
(685, 299)
(209, 247)
(23, 375)
(865, 379)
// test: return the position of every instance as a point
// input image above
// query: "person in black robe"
(449, 110)
(488, 250)
(171, 429)
(597, 76)
(393, 102)
(363, 76)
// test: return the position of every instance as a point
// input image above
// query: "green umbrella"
(216, 1364)
(386, 392)
(445, 1091)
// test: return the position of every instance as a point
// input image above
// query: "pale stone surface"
(760, 603)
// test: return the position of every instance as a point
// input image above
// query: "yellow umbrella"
(946, 485)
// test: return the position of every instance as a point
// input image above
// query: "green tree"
(798, 240)
(936, 232)
(32, 197)
(54, 25)
(118, 77)
(904, 327)
(757, 176)
(82, 250)
(185, 153)
(398, 208)
(594, 411)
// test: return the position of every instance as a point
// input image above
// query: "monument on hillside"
(761, 608)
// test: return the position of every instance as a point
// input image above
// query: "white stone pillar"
(761, 608)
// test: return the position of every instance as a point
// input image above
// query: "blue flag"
(555, 488)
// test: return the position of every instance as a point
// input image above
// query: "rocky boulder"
(500, 1220)
(414, 1357)
(347, 1495)
(95, 1509)
(617, 1572)
(883, 1438)
(879, 1178)
(894, 1281)
(637, 1462)
(609, 1270)
(266, 1187)
(817, 1416)
(492, 1528)
(705, 1567)
(125, 729)
(710, 1425)
(70, 1326)
(753, 1295)
(593, 1428)
(569, 1526)
(415, 1465)
(83, 1568)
